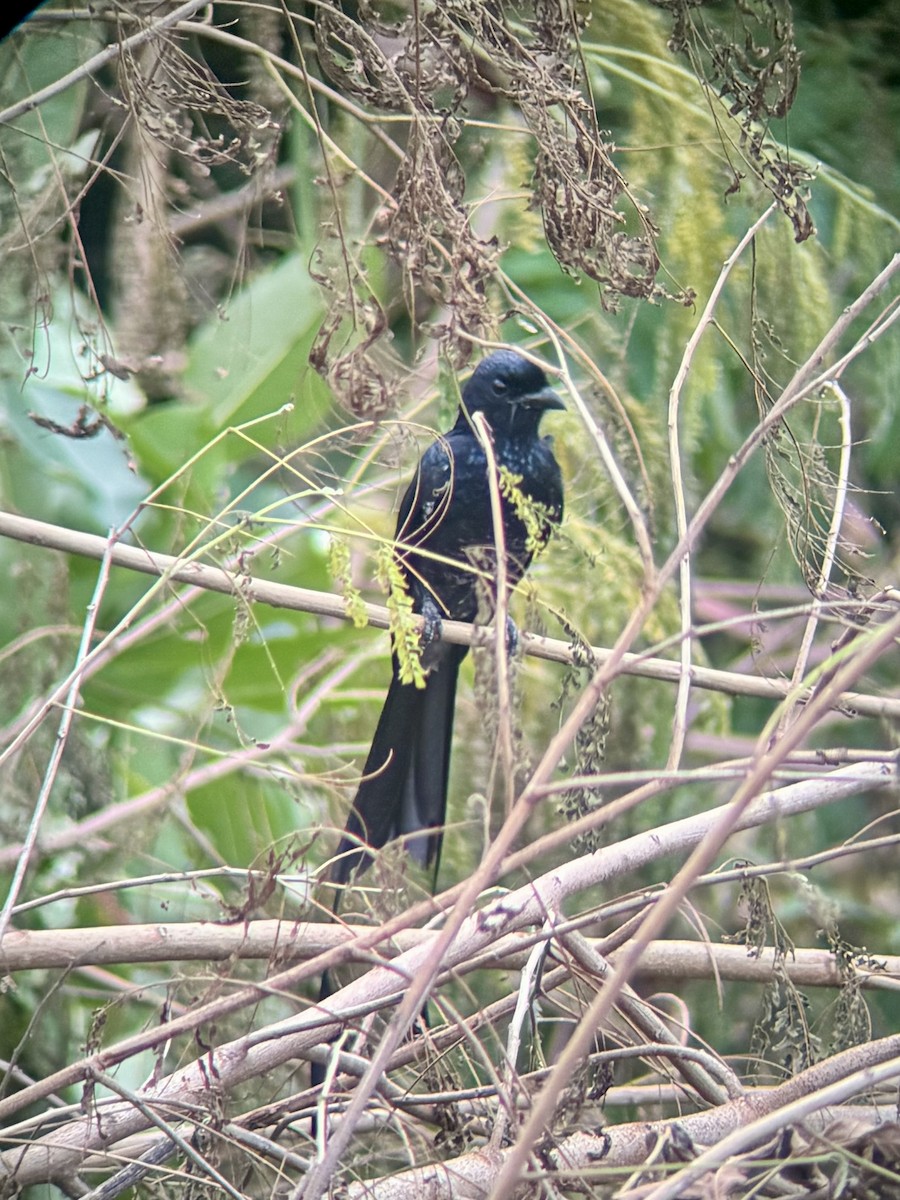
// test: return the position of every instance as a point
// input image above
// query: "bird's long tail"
(403, 792)
(404, 787)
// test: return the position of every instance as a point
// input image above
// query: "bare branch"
(618, 1146)
(236, 1062)
(326, 604)
(87, 70)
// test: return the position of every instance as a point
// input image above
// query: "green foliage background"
(251, 461)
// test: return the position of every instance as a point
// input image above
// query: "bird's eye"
(499, 386)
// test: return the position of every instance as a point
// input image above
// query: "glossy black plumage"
(446, 515)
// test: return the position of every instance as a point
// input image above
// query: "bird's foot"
(433, 622)
(432, 632)
(512, 637)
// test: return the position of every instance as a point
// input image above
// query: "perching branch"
(328, 604)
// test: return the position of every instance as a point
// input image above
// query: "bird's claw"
(432, 622)
(432, 632)
(512, 637)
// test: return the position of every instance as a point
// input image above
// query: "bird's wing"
(427, 497)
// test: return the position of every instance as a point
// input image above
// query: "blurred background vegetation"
(244, 263)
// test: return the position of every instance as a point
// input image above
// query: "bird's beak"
(544, 399)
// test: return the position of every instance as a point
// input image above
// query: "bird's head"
(511, 391)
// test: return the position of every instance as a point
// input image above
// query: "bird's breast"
(454, 527)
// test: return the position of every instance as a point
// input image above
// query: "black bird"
(445, 547)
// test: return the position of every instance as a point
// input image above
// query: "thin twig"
(91, 828)
(607, 457)
(181, 1140)
(711, 1078)
(89, 69)
(62, 737)
(526, 995)
(828, 558)
(679, 722)
(501, 613)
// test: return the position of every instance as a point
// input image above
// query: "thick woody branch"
(187, 1089)
(627, 1145)
(300, 941)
